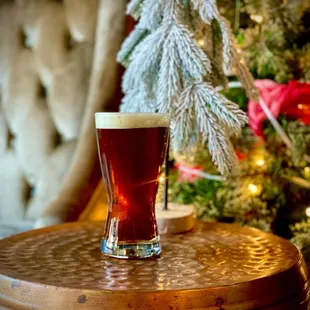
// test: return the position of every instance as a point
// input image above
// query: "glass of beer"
(132, 149)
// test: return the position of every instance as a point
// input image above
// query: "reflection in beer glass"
(132, 148)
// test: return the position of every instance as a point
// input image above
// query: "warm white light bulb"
(253, 188)
(201, 42)
(308, 211)
(257, 18)
(260, 162)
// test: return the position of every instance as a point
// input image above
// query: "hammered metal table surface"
(221, 263)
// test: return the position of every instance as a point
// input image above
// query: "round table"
(214, 266)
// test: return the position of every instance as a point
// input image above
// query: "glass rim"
(114, 120)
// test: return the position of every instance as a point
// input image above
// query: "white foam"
(106, 120)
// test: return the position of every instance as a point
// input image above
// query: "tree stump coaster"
(177, 219)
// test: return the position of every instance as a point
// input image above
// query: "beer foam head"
(131, 120)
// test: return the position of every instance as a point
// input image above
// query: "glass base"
(143, 249)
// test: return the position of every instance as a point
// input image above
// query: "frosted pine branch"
(215, 135)
(221, 149)
(183, 62)
(198, 99)
(152, 16)
(206, 8)
(130, 43)
(194, 61)
(227, 44)
(226, 111)
(219, 144)
(168, 71)
(169, 83)
(134, 8)
(137, 101)
(184, 120)
(144, 65)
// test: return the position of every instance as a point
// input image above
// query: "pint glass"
(132, 150)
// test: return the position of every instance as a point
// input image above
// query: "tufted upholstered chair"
(57, 67)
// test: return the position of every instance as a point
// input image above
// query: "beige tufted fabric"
(57, 67)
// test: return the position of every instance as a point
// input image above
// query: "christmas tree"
(271, 189)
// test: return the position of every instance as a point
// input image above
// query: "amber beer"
(132, 150)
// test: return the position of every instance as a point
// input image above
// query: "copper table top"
(211, 266)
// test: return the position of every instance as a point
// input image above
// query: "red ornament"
(291, 99)
(240, 155)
